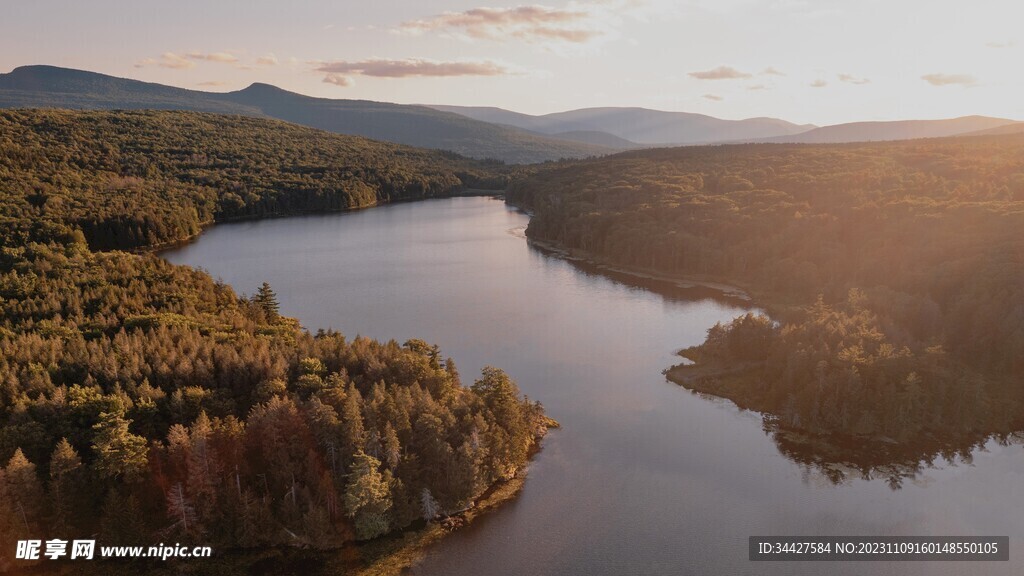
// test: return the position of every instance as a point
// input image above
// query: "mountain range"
(52, 87)
(897, 130)
(476, 132)
(641, 126)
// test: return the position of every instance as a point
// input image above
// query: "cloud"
(268, 60)
(530, 23)
(340, 72)
(167, 60)
(338, 80)
(222, 57)
(949, 79)
(1000, 44)
(187, 60)
(211, 83)
(850, 79)
(819, 83)
(770, 71)
(714, 97)
(720, 73)
(757, 87)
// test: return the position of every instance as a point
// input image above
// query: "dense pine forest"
(140, 179)
(894, 272)
(143, 402)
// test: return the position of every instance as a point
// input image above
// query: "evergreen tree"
(430, 506)
(266, 299)
(65, 465)
(24, 493)
(119, 453)
(368, 497)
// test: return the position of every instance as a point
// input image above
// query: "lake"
(644, 477)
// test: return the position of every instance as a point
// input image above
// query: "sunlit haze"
(821, 62)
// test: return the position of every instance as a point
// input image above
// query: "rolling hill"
(53, 87)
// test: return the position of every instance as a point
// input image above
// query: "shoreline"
(679, 281)
(204, 226)
(392, 554)
(396, 553)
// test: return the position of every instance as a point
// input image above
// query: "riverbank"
(394, 555)
(679, 281)
(206, 225)
(389, 555)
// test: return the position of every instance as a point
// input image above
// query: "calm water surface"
(644, 477)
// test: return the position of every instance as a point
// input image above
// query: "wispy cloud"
(770, 71)
(340, 72)
(211, 83)
(222, 57)
(851, 79)
(713, 97)
(167, 60)
(949, 79)
(819, 83)
(757, 87)
(720, 73)
(531, 23)
(268, 60)
(188, 60)
(1000, 44)
(338, 80)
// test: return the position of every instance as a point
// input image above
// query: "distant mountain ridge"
(1012, 128)
(650, 128)
(894, 130)
(640, 125)
(476, 132)
(54, 87)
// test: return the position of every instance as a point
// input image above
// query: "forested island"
(142, 402)
(894, 273)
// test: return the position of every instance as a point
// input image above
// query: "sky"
(806, 61)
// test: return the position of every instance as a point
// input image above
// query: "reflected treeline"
(843, 398)
(863, 414)
(842, 459)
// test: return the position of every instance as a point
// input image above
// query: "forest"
(893, 273)
(144, 402)
(140, 179)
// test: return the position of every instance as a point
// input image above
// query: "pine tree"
(430, 506)
(391, 447)
(266, 299)
(368, 497)
(353, 433)
(119, 453)
(65, 465)
(24, 492)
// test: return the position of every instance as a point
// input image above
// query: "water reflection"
(840, 460)
(835, 459)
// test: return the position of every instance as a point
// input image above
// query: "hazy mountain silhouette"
(896, 130)
(1014, 128)
(597, 138)
(640, 125)
(53, 87)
